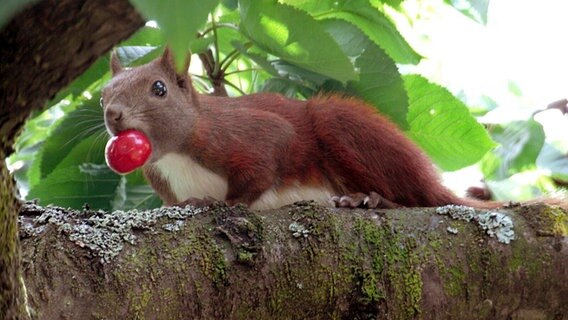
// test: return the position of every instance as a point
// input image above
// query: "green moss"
(412, 282)
(245, 257)
(455, 281)
(436, 244)
(546, 220)
(139, 302)
(557, 220)
(245, 231)
(310, 275)
(369, 288)
(213, 264)
(525, 259)
(392, 268)
(195, 247)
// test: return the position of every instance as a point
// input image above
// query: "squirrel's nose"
(114, 118)
(113, 115)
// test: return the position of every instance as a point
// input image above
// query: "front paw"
(196, 202)
(360, 200)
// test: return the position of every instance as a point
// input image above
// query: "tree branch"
(298, 262)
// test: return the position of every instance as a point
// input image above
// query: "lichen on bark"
(356, 264)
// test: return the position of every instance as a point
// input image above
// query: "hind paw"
(360, 200)
(196, 202)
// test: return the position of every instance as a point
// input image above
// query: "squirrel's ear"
(115, 65)
(183, 79)
(167, 62)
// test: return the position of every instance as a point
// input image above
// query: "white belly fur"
(275, 198)
(187, 178)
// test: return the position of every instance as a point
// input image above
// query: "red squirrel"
(266, 150)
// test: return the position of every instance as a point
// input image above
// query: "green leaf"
(392, 3)
(200, 45)
(378, 28)
(145, 36)
(178, 19)
(474, 9)
(289, 33)
(259, 59)
(369, 19)
(230, 4)
(515, 89)
(93, 183)
(521, 143)
(299, 74)
(75, 185)
(286, 87)
(84, 123)
(379, 82)
(130, 54)
(553, 161)
(443, 126)
(134, 193)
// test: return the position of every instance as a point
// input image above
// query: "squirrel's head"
(154, 99)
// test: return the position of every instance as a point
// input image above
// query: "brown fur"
(264, 141)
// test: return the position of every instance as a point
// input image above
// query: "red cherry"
(127, 151)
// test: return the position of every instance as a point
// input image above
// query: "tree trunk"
(43, 48)
(298, 262)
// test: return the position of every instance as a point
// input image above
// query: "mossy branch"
(299, 262)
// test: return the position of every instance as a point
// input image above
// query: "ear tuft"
(167, 61)
(115, 65)
(168, 64)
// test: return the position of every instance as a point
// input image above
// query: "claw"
(196, 202)
(361, 200)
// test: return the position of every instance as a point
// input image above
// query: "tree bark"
(298, 262)
(43, 48)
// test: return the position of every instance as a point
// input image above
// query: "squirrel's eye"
(101, 102)
(159, 88)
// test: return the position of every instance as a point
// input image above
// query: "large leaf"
(521, 143)
(73, 157)
(145, 36)
(259, 59)
(77, 126)
(392, 3)
(75, 185)
(553, 161)
(294, 36)
(369, 19)
(443, 126)
(130, 54)
(134, 193)
(286, 87)
(381, 84)
(178, 19)
(83, 177)
(474, 9)
(379, 81)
